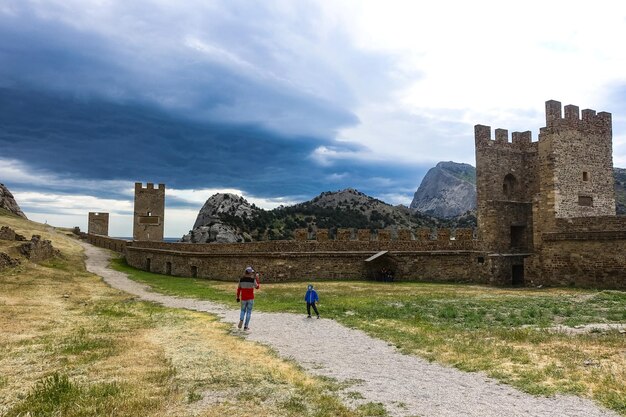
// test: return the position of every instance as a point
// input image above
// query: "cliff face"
(7, 202)
(214, 224)
(448, 190)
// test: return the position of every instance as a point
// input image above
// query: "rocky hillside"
(448, 190)
(216, 221)
(230, 218)
(8, 203)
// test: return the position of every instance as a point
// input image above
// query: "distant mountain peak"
(447, 190)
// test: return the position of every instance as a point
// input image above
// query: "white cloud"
(71, 207)
(481, 62)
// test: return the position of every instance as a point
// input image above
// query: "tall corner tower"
(98, 224)
(149, 212)
(575, 164)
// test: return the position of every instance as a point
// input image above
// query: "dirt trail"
(406, 385)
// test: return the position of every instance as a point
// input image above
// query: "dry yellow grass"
(123, 357)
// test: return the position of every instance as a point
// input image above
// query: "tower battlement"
(519, 140)
(149, 186)
(570, 117)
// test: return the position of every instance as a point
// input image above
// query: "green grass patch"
(57, 395)
(499, 331)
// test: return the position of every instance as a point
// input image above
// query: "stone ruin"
(37, 249)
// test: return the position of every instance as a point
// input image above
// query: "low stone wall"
(117, 245)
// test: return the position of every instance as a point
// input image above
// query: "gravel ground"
(405, 385)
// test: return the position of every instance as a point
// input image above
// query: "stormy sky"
(279, 100)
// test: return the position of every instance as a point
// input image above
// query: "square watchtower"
(98, 224)
(149, 212)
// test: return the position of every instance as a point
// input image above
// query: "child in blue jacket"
(311, 298)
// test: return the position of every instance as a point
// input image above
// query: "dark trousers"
(308, 308)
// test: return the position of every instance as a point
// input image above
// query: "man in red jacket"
(245, 293)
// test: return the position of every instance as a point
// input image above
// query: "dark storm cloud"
(96, 140)
(240, 65)
(234, 96)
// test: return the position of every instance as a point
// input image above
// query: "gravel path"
(406, 385)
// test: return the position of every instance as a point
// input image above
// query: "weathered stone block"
(464, 234)
(344, 234)
(384, 235)
(423, 234)
(404, 234)
(364, 235)
(321, 235)
(443, 235)
(301, 234)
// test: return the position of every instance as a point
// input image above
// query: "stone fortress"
(546, 216)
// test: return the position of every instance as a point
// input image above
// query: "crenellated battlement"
(519, 140)
(382, 235)
(149, 186)
(570, 117)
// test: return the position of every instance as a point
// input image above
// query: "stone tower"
(149, 212)
(506, 182)
(98, 224)
(524, 187)
(575, 161)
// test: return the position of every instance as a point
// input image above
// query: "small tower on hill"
(98, 224)
(149, 212)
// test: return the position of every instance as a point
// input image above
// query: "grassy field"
(502, 332)
(72, 346)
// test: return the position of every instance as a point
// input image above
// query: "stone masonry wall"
(592, 262)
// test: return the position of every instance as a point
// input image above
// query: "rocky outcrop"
(216, 217)
(7, 262)
(6, 233)
(7, 202)
(448, 190)
(38, 249)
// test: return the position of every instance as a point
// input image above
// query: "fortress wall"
(581, 260)
(281, 246)
(448, 266)
(117, 245)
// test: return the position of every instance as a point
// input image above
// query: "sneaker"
(240, 324)
(308, 317)
(318, 316)
(246, 328)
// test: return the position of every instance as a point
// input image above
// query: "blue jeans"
(246, 310)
